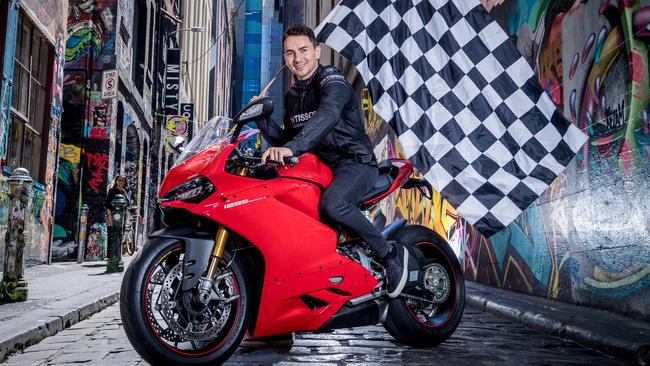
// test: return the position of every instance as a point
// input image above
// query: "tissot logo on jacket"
(322, 115)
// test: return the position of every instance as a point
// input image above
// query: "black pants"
(351, 182)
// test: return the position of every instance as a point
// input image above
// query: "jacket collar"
(305, 83)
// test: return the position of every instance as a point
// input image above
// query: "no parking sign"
(109, 84)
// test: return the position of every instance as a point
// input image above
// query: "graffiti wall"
(50, 16)
(586, 240)
(4, 217)
(83, 173)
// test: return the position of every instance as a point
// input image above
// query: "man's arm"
(274, 133)
(334, 95)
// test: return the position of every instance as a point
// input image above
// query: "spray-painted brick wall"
(587, 239)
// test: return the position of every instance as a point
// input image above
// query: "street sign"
(174, 126)
(172, 80)
(109, 84)
(187, 111)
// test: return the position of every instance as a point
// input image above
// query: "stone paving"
(481, 339)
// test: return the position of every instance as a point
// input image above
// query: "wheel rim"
(183, 329)
(425, 313)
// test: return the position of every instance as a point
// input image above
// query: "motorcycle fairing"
(279, 217)
(309, 168)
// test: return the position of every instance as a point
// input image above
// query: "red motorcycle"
(245, 250)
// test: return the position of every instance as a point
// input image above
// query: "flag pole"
(266, 88)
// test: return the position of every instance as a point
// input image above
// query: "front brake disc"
(198, 326)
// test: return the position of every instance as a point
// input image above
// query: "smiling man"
(323, 115)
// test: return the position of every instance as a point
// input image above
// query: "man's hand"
(277, 154)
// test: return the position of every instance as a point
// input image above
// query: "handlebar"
(291, 160)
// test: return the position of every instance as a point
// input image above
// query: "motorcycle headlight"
(194, 190)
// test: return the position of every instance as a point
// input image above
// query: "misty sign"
(172, 80)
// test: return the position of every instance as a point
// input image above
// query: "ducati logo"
(239, 203)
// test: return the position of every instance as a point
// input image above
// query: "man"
(322, 115)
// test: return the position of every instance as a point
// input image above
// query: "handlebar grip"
(291, 160)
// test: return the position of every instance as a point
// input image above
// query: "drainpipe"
(8, 74)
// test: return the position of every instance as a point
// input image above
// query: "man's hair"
(300, 30)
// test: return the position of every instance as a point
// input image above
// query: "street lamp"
(191, 29)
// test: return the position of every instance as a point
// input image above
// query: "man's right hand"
(277, 154)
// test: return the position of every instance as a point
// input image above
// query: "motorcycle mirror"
(176, 144)
(256, 110)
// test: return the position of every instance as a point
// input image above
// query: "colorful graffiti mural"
(586, 239)
(96, 245)
(175, 126)
(51, 14)
(91, 33)
(573, 245)
(84, 164)
(4, 216)
(44, 210)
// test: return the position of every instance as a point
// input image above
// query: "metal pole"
(13, 286)
(115, 263)
(83, 227)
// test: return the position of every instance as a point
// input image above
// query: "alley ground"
(481, 339)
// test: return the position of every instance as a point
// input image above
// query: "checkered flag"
(465, 105)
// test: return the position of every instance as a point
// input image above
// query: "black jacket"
(322, 115)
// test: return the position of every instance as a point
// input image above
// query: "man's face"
(301, 56)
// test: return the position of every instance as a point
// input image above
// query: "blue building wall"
(252, 51)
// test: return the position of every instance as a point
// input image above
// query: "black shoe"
(396, 265)
(277, 341)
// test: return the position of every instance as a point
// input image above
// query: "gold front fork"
(221, 239)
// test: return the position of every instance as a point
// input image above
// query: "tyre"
(167, 326)
(428, 314)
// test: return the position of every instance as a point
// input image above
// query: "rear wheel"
(168, 326)
(428, 314)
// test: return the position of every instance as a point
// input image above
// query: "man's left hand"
(277, 154)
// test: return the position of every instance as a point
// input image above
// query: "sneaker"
(276, 341)
(396, 265)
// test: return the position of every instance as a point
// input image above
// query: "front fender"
(198, 247)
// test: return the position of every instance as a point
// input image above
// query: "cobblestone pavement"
(481, 339)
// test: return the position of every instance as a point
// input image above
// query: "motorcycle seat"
(387, 175)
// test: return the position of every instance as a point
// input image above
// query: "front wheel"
(428, 314)
(167, 326)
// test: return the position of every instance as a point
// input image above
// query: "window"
(3, 30)
(30, 99)
(139, 44)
